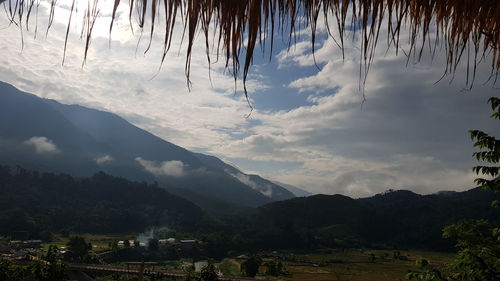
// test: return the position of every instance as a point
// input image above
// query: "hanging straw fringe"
(460, 25)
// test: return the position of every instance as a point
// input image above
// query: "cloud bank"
(407, 134)
(401, 130)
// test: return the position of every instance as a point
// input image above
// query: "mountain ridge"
(86, 140)
(399, 218)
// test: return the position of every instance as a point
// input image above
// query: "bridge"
(143, 271)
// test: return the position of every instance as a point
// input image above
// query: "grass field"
(358, 265)
(99, 242)
(325, 265)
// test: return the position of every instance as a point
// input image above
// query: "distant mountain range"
(43, 134)
(398, 218)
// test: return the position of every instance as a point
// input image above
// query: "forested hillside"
(37, 202)
(46, 202)
(391, 219)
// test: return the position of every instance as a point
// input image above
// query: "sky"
(312, 126)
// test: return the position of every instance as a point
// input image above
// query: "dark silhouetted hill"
(37, 202)
(391, 219)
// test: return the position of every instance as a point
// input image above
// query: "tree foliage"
(79, 247)
(49, 268)
(489, 152)
(39, 202)
(10, 271)
(209, 272)
(153, 245)
(250, 267)
(274, 268)
(479, 254)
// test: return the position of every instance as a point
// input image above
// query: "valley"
(84, 192)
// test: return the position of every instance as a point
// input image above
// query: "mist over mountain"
(298, 192)
(265, 187)
(46, 135)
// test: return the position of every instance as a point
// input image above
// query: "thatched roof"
(468, 29)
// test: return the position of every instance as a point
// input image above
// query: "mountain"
(210, 205)
(46, 135)
(25, 124)
(298, 192)
(317, 211)
(265, 187)
(419, 219)
(401, 219)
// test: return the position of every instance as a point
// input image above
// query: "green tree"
(79, 246)
(52, 254)
(6, 270)
(53, 271)
(372, 258)
(489, 152)
(153, 245)
(426, 273)
(209, 272)
(479, 250)
(250, 267)
(190, 275)
(274, 268)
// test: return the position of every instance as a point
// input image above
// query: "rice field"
(358, 265)
(324, 265)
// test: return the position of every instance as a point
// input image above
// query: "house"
(4, 249)
(35, 244)
(188, 245)
(199, 265)
(20, 255)
(166, 241)
(67, 255)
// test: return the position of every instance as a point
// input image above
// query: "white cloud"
(103, 159)
(409, 134)
(167, 168)
(265, 190)
(42, 145)
(360, 178)
(113, 80)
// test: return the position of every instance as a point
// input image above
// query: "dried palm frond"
(470, 27)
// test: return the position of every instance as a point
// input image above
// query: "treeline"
(36, 202)
(41, 203)
(394, 220)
